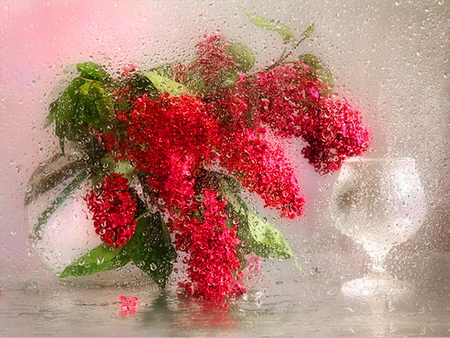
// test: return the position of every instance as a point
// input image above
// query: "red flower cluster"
(285, 94)
(247, 153)
(211, 247)
(263, 168)
(169, 139)
(113, 208)
(291, 102)
(333, 133)
(212, 59)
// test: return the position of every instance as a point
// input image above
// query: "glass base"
(376, 284)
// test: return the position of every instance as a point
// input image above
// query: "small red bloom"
(129, 70)
(128, 305)
(113, 209)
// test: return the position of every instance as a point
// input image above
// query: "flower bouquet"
(168, 151)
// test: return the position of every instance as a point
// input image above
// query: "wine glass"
(379, 203)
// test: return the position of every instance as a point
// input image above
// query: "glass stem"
(377, 255)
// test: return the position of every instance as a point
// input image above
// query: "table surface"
(279, 303)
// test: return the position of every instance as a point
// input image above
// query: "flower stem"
(44, 217)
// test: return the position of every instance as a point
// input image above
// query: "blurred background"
(389, 58)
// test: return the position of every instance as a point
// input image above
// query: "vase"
(59, 226)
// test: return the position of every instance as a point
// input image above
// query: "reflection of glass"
(379, 203)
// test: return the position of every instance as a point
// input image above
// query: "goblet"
(379, 203)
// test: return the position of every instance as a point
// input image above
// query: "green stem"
(285, 55)
(145, 214)
(310, 104)
(44, 217)
(52, 180)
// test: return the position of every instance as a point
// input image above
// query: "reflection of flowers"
(128, 305)
(215, 315)
(170, 149)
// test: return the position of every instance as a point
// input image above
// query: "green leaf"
(141, 84)
(93, 71)
(84, 104)
(267, 241)
(101, 258)
(308, 31)
(242, 55)
(271, 25)
(228, 78)
(257, 235)
(52, 115)
(166, 85)
(229, 187)
(318, 67)
(195, 82)
(94, 103)
(125, 168)
(151, 248)
(165, 70)
(62, 111)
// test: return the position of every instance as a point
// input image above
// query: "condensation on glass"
(390, 59)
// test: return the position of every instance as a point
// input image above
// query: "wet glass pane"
(222, 147)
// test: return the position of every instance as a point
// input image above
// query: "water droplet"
(153, 267)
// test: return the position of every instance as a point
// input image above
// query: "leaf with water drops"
(259, 236)
(87, 102)
(308, 31)
(93, 71)
(243, 56)
(318, 67)
(166, 85)
(151, 248)
(265, 240)
(271, 25)
(101, 258)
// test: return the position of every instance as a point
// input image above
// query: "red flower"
(263, 168)
(113, 208)
(212, 59)
(211, 246)
(334, 132)
(128, 305)
(169, 139)
(289, 99)
(285, 94)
